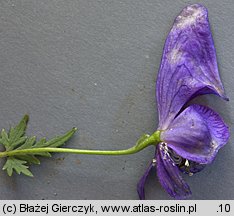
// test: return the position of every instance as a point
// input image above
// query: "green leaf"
(28, 143)
(60, 140)
(16, 140)
(31, 159)
(4, 138)
(20, 141)
(19, 130)
(43, 154)
(15, 136)
(13, 164)
(40, 143)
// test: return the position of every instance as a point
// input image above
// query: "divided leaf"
(16, 140)
(17, 165)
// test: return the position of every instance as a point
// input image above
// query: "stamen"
(164, 148)
(175, 157)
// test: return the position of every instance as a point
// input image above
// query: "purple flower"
(190, 137)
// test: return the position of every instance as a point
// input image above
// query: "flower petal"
(169, 175)
(188, 66)
(141, 183)
(197, 134)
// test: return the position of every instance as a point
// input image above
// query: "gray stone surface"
(93, 64)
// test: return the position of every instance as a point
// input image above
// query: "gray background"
(93, 64)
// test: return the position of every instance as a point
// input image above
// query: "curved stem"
(154, 139)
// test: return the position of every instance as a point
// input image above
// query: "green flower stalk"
(22, 151)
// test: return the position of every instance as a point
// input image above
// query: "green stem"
(154, 139)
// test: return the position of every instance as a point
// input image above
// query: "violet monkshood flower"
(190, 137)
